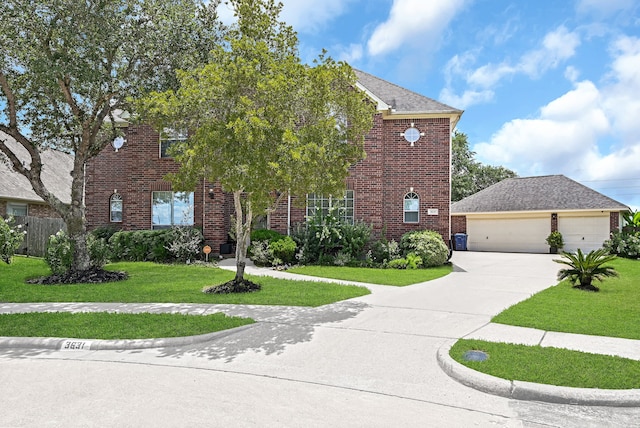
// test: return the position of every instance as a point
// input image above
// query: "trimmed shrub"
(140, 245)
(624, 243)
(266, 235)
(98, 251)
(184, 243)
(382, 252)
(426, 244)
(59, 255)
(104, 232)
(323, 237)
(11, 237)
(283, 249)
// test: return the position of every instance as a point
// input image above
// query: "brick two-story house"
(402, 185)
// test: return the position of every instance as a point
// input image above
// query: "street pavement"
(373, 361)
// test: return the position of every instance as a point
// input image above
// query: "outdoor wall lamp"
(211, 194)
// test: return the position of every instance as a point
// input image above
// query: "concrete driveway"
(367, 362)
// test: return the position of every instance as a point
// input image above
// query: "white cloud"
(411, 22)
(349, 54)
(573, 134)
(603, 7)
(466, 99)
(556, 47)
(305, 16)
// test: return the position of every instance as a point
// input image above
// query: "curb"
(71, 344)
(528, 391)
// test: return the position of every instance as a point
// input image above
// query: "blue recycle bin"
(460, 242)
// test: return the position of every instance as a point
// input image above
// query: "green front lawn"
(102, 325)
(157, 283)
(551, 366)
(398, 277)
(613, 311)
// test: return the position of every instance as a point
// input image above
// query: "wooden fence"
(38, 232)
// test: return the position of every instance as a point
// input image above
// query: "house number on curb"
(75, 345)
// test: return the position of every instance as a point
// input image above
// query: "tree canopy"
(469, 176)
(261, 122)
(66, 66)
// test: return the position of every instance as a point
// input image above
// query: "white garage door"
(586, 233)
(519, 235)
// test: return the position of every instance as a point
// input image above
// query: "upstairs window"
(344, 207)
(171, 209)
(411, 208)
(168, 138)
(115, 208)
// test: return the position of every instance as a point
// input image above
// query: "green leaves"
(584, 268)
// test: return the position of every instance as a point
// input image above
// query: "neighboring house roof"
(390, 96)
(546, 193)
(56, 174)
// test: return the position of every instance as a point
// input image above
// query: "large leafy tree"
(66, 66)
(469, 176)
(262, 123)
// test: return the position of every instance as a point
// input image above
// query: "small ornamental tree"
(11, 237)
(262, 123)
(584, 268)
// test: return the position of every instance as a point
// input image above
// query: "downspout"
(289, 213)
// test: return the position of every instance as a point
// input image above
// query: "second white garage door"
(586, 233)
(511, 235)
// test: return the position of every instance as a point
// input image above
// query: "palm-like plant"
(584, 268)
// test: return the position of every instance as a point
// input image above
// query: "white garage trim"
(512, 234)
(586, 231)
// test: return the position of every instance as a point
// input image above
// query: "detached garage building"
(517, 214)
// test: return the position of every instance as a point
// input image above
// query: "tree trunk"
(76, 227)
(243, 233)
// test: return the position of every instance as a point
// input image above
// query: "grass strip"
(104, 325)
(613, 311)
(552, 366)
(396, 277)
(159, 283)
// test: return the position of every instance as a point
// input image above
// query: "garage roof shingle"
(544, 193)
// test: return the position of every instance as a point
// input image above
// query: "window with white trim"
(343, 207)
(171, 209)
(115, 208)
(168, 138)
(16, 209)
(411, 208)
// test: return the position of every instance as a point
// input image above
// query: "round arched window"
(115, 208)
(411, 208)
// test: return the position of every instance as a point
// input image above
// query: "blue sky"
(548, 87)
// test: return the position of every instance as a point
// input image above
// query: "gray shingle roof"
(401, 99)
(546, 193)
(55, 175)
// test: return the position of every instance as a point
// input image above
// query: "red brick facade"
(380, 182)
(137, 170)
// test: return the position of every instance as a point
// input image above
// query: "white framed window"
(170, 137)
(411, 208)
(16, 209)
(343, 207)
(115, 208)
(171, 209)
